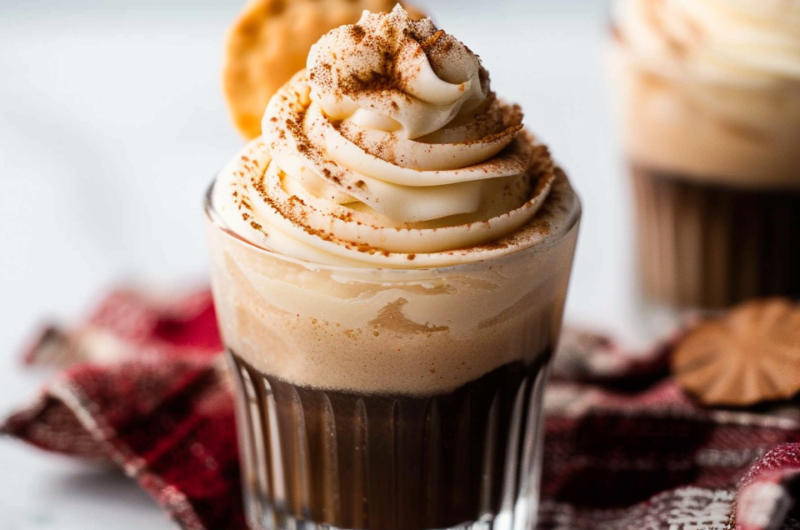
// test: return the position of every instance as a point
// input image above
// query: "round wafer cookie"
(749, 355)
(269, 42)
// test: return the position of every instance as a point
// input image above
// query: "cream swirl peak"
(741, 42)
(392, 73)
(390, 150)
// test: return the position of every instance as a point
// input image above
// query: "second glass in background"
(713, 143)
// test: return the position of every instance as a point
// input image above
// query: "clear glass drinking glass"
(715, 180)
(391, 399)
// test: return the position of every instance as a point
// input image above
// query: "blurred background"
(112, 124)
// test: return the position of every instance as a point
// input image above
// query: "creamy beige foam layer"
(711, 89)
(396, 331)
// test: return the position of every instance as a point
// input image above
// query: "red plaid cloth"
(143, 386)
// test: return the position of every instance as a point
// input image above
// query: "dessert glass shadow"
(383, 399)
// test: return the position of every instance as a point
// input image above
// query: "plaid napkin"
(142, 384)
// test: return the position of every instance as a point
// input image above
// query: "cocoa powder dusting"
(378, 45)
(357, 33)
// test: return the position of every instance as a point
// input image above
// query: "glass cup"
(392, 399)
(715, 173)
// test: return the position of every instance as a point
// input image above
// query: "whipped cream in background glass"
(390, 260)
(709, 98)
(711, 88)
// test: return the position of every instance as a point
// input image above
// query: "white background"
(111, 126)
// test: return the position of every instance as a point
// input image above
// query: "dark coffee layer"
(711, 246)
(389, 462)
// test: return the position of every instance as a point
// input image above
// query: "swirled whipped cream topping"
(389, 150)
(742, 42)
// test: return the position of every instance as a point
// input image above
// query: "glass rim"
(213, 217)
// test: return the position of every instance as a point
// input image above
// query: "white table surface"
(111, 126)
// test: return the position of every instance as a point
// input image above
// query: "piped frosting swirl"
(389, 150)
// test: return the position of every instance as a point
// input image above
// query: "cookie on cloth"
(749, 355)
(269, 42)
